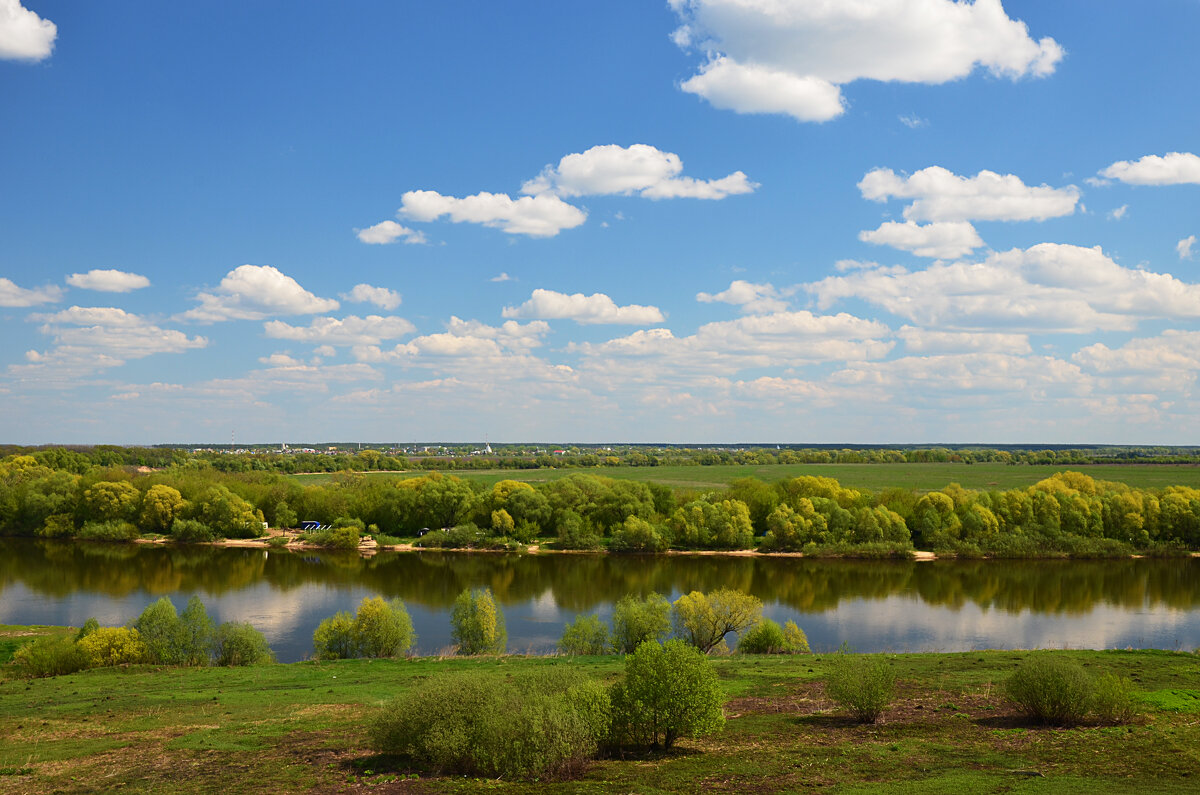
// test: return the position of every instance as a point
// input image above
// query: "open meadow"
(870, 477)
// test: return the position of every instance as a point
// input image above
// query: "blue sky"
(696, 220)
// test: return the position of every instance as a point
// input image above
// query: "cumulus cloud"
(586, 309)
(1119, 213)
(544, 215)
(12, 295)
(254, 292)
(943, 239)
(941, 195)
(1048, 287)
(24, 36)
(386, 232)
(640, 168)
(108, 281)
(751, 298)
(1184, 247)
(1033, 377)
(792, 56)
(502, 277)
(464, 340)
(352, 330)
(382, 297)
(1172, 351)
(1173, 168)
(87, 339)
(920, 340)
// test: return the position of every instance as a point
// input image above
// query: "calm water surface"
(872, 606)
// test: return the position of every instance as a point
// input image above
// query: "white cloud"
(1173, 351)
(465, 340)
(943, 239)
(24, 36)
(920, 340)
(586, 309)
(1174, 168)
(544, 215)
(941, 195)
(1048, 287)
(87, 339)
(1184, 247)
(976, 374)
(254, 292)
(791, 56)
(382, 297)
(12, 295)
(640, 168)
(352, 330)
(752, 298)
(913, 122)
(503, 277)
(386, 232)
(1119, 213)
(108, 281)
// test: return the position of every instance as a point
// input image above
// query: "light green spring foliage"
(585, 635)
(237, 643)
(537, 724)
(113, 646)
(196, 633)
(476, 623)
(638, 535)
(794, 639)
(703, 620)
(49, 656)
(158, 626)
(636, 620)
(862, 684)
(1112, 699)
(190, 639)
(669, 691)
(378, 629)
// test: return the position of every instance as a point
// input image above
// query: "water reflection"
(874, 605)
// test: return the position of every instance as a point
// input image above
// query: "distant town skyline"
(692, 221)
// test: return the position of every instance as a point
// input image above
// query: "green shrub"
(49, 656)
(638, 535)
(1112, 699)
(1051, 689)
(172, 639)
(794, 639)
(109, 646)
(112, 530)
(704, 620)
(236, 643)
(196, 632)
(765, 637)
(669, 691)
(191, 531)
(862, 684)
(89, 626)
(477, 624)
(574, 532)
(378, 629)
(635, 621)
(586, 635)
(537, 724)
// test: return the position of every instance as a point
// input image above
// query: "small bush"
(89, 626)
(1112, 699)
(586, 635)
(543, 724)
(191, 531)
(476, 623)
(109, 646)
(172, 639)
(236, 643)
(1051, 689)
(704, 620)
(378, 629)
(669, 691)
(113, 530)
(52, 656)
(794, 639)
(635, 621)
(333, 638)
(862, 684)
(765, 637)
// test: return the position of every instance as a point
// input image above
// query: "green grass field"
(300, 728)
(871, 477)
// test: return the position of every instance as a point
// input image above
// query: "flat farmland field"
(870, 477)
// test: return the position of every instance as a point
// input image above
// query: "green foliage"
(862, 684)
(49, 656)
(1112, 699)
(669, 691)
(113, 646)
(575, 533)
(191, 531)
(538, 724)
(794, 639)
(637, 620)
(585, 635)
(110, 501)
(89, 626)
(237, 643)
(111, 530)
(161, 505)
(195, 634)
(378, 629)
(708, 523)
(1051, 689)
(333, 638)
(703, 620)
(637, 535)
(477, 624)
(172, 639)
(765, 637)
